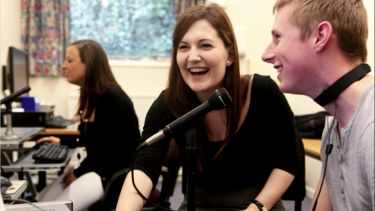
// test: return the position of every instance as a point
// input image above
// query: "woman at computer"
(108, 129)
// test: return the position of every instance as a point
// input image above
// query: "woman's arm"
(50, 139)
(277, 183)
(129, 198)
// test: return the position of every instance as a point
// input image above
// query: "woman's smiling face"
(202, 58)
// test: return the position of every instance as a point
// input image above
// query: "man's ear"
(322, 35)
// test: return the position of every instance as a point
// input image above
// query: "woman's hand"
(50, 139)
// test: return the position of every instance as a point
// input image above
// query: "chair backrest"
(169, 174)
(297, 190)
(113, 189)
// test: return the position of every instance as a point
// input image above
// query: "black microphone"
(219, 100)
(14, 95)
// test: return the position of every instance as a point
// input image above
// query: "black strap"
(257, 203)
(332, 92)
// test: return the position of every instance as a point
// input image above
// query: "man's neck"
(348, 101)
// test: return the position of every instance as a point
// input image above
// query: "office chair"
(113, 189)
(297, 190)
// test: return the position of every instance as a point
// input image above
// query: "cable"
(135, 187)
(328, 151)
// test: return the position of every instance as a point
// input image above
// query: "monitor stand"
(9, 134)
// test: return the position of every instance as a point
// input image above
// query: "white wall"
(9, 27)
(144, 81)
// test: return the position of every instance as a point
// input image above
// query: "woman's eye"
(182, 47)
(206, 45)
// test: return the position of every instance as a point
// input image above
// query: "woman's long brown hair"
(179, 96)
(98, 76)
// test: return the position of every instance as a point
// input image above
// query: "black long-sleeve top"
(265, 141)
(112, 137)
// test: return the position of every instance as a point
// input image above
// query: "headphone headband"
(332, 92)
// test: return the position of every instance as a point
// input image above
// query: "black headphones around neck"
(332, 92)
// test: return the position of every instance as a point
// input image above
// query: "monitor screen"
(5, 79)
(17, 69)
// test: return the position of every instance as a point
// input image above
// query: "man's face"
(289, 53)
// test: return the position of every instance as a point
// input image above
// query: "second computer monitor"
(17, 69)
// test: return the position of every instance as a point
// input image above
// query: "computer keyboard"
(50, 153)
(58, 122)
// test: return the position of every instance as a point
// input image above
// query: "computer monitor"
(5, 80)
(17, 69)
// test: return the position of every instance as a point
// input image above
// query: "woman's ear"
(230, 57)
(229, 62)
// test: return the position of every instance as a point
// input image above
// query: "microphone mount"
(7, 101)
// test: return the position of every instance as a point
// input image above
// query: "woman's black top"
(266, 140)
(112, 137)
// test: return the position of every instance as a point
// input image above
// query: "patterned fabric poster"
(127, 29)
(45, 34)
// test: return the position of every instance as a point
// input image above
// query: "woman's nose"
(64, 67)
(194, 55)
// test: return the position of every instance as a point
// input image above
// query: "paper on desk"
(78, 156)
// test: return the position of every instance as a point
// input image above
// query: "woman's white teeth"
(198, 70)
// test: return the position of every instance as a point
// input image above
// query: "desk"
(26, 164)
(59, 131)
(10, 148)
(25, 133)
(312, 147)
(313, 164)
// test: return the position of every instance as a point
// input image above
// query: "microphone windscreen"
(220, 99)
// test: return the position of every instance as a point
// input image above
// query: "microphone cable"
(328, 151)
(135, 186)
